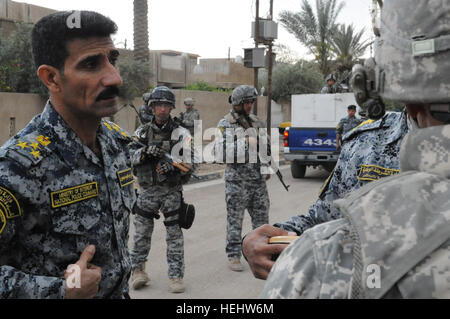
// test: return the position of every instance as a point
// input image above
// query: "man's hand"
(155, 151)
(259, 252)
(90, 276)
(164, 167)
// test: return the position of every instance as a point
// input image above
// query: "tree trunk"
(141, 43)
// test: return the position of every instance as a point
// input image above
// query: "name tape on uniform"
(374, 172)
(126, 177)
(73, 195)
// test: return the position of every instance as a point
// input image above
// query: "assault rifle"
(246, 125)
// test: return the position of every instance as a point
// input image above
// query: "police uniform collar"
(165, 127)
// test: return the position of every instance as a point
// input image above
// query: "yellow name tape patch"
(9, 204)
(73, 195)
(126, 177)
(374, 172)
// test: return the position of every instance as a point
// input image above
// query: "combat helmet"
(412, 57)
(189, 102)
(162, 94)
(330, 77)
(242, 94)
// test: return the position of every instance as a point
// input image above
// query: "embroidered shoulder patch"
(2, 222)
(74, 195)
(9, 205)
(374, 172)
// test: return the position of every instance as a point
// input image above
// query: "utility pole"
(269, 78)
(256, 70)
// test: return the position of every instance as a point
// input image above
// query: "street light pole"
(255, 70)
(269, 78)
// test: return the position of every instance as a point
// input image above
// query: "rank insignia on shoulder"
(9, 204)
(374, 172)
(114, 127)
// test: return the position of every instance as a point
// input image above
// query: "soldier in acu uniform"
(191, 115)
(394, 238)
(160, 189)
(245, 179)
(65, 180)
(331, 87)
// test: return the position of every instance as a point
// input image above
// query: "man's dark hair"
(51, 34)
(352, 107)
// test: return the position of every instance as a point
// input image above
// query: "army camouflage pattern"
(331, 89)
(397, 67)
(239, 168)
(375, 144)
(400, 224)
(242, 93)
(165, 200)
(346, 124)
(245, 185)
(240, 195)
(188, 119)
(158, 196)
(53, 228)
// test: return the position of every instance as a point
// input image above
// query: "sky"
(209, 28)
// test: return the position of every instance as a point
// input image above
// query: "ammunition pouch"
(186, 216)
(145, 214)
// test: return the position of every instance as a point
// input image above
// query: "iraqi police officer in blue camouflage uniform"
(145, 112)
(160, 189)
(370, 152)
(245, 179)
(66, 185)
(346, 124)
(394, 238)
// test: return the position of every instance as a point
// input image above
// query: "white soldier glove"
(155, 151)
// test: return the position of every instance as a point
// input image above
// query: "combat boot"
(139, 278)
(235, 264)
(176, 285)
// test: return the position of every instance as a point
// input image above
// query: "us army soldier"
(65, 185)
(160, 189)
(191, 115)
(393, 240)
(331, 87)
(245, 180)
(370, 152)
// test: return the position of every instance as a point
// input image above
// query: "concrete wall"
(22, 12)
(23, 107)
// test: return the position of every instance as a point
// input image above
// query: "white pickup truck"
(311, 139)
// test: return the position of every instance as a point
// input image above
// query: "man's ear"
(51, 77)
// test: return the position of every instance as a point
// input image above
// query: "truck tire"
(298, 170)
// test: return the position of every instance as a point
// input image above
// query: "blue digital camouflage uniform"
(347, 124)
(394, 238)
(245, 184)
(370, 152)
(57, 197)
(157, 194)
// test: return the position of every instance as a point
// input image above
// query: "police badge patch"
(9, 205)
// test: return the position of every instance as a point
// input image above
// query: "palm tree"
(348, 47)
(314, 30)
(141, 50)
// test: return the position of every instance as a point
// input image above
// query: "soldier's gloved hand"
(164, 168)
(155, 151)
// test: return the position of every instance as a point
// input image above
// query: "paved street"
(207, 275)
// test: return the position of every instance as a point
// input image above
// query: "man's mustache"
(109, 93)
